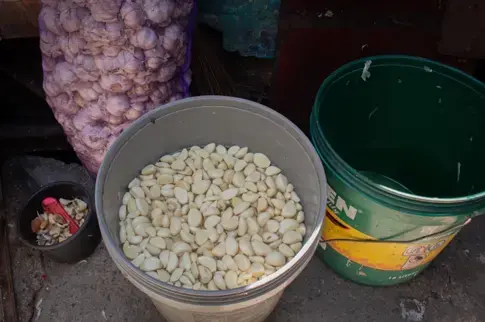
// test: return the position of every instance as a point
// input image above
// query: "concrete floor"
(451, 289)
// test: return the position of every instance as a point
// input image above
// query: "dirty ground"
(451, 289)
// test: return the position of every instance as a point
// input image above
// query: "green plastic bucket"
(402, 141)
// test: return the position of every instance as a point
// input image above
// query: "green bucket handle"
(410, 241)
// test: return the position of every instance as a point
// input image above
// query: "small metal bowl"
(77, 247)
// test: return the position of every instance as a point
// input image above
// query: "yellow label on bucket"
(384, 256)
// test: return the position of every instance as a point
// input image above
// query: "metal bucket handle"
(410, 241)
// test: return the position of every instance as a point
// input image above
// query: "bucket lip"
(221, 297)
(362, 180)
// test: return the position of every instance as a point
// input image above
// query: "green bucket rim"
(355, 179)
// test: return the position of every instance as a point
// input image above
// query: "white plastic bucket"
(198, 121)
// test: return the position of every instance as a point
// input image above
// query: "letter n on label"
(350, 211)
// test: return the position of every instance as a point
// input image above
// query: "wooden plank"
(18, 19)
(7, 293)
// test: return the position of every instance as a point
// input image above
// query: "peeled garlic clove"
(240, 165)
(205, 274)
(135, 239)
(256, 259)
(253, 226)
(287, 225)
(141, 230)
(278, 203)
(208, 262)
(260, 248)
(281, 182)
(178, 165)
(272, 226)
(242, 262)
(229, 262)
(155, 251)
(212, 221)
(231, 279)
(186, 237)
(270, 237)
(255, 176)
(238, 179)
(245, 247)
(175, 226)
(250, 197)
(250, 168)
(126, 197)
(123, 234)
(300, 217)
(194, 218)
(158, 242)
(207, 164)
(229, 193)
(256, 270)
(286, 250)
(201, 237)
(201, 187)
(291, 237)
(151, 264)
(289, 210)
(296, 247)
(219, 250)
(230, 224)
(131, 251)
(181, 195)
(181, 247)
(242, 228)
(262, 205)
(134, 183)
(233, 150)
(139, 220)
(163, 275)
(211, 286)
(272, 170)
(232, 246)
(219, 281)
(241, 206)
(275, 259)
(142, 206)
(261, 160)
(150, 231)
(122, 212)
(137, 192)
(241, 152)
(263, 218)
(164, 257)
(176, 274)
(138, 260)
(215, 173)
(172, 262)
(131, 206)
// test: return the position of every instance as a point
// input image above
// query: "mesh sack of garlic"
(107, 62)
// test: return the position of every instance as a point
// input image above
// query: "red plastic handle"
(52, 206)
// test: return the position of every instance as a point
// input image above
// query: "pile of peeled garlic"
(211, 218)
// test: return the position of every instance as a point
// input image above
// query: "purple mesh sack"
(107, 62)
